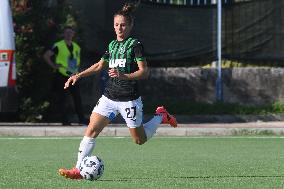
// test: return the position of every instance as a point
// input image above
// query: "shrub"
(37, 25)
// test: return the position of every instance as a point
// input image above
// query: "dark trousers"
(61, 98)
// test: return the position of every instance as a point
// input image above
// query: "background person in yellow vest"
(66, 54)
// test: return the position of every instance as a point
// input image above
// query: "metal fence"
(252, 30)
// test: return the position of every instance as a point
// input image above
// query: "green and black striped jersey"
(123, 55)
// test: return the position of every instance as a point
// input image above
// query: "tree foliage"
(37, 24)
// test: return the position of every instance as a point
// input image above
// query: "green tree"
(37, 25)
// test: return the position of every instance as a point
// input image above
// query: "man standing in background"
(66, 54)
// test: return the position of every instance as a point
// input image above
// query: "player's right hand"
(71, 80)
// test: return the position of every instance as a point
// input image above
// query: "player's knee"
(92, 132)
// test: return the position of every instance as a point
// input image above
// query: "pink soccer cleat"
(167, 118)
(73, 173)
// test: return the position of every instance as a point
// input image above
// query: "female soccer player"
(126, 64)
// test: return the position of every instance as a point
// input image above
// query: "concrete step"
(224, 129)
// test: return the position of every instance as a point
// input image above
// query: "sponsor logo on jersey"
(113, 63)
(122, 50)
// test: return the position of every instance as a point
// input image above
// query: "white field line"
(48, 138)
(115, 137)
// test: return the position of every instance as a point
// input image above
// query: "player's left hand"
(114, 72)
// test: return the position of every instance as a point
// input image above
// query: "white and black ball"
(91, 168)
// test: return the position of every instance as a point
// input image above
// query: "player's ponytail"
(127, 11)
(128, 8)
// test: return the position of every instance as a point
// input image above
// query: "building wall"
(240, 85)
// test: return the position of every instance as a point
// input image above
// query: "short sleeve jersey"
(123, 56)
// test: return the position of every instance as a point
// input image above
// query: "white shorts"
(131, 111)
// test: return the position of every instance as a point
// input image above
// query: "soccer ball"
(91, 168)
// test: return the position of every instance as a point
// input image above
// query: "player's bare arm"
(89, 71)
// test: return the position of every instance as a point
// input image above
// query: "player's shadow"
(123, 179)
(194, 177)
(232, 176)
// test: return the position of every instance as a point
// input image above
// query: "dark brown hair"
(127, 11)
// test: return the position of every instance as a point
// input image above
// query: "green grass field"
(201, 162)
